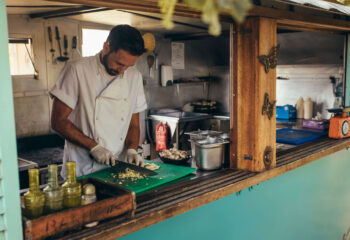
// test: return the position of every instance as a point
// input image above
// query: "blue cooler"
(286, 112)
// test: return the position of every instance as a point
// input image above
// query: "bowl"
(182, 161)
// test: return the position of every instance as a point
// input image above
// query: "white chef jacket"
(102, 106)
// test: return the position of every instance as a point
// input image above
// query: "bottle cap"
(89, 189)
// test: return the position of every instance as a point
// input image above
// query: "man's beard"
(110, 71)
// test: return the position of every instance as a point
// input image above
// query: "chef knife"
(121, 166)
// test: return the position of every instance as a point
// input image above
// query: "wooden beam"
(252, 132)
(301, 20)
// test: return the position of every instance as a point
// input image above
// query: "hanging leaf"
(167, 8)
(210, 11)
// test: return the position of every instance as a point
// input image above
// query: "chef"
(96, 104)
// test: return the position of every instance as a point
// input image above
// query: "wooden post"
(253, 134)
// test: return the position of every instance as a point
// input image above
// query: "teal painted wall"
(311, 202)
(10, 219)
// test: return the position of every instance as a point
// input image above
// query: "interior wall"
(306, 62)
(203, 58)
(32, 103)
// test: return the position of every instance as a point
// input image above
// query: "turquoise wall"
(10, 216)
(311, 202)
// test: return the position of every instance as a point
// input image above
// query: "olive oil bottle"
(53, 192)
(71, 188)
(34, 199)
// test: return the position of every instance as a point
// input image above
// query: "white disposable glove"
(134, 157)
(102, 155)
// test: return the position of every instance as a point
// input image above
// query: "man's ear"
(105, 48)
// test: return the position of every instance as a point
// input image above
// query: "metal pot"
(200, 135)
(209, 153)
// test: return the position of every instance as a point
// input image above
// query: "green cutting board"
(166, 173)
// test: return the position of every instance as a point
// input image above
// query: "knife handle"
(57, 33)
(50, 33)
(65, 42)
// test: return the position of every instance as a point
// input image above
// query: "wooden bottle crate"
(112, 201)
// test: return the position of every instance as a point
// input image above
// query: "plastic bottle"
(34, 199)
(53, 192)
(300, 107)
(71, 188)
(308, 108)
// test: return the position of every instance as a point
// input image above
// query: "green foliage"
(210, 11)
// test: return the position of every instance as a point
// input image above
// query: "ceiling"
(142, 21)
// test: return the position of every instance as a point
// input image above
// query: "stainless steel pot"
(209, 153)
(200, 135)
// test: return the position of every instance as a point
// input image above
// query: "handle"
(65, 42)
(74, 42)
(50, 33)
(57, 33)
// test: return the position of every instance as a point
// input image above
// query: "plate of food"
(174, 156)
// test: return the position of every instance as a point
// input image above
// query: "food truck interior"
(199, 81)
(187, 79)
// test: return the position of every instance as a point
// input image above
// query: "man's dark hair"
(127, 38)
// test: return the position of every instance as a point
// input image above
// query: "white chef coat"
(102, 106)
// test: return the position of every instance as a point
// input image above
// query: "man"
(97, 101)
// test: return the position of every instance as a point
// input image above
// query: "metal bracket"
(247, 157)
(268, 156)
(270, 61)
(268, 107)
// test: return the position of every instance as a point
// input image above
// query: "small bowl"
(182, 161)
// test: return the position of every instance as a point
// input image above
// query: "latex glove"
(102, 155)
(134, 157)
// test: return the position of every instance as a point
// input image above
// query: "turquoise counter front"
(310, 202)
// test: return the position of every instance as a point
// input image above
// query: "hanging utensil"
(60, 58)
(52, 50)
(65, 45)
(75, 52)
(150, 62)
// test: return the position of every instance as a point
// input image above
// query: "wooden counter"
(164, 203)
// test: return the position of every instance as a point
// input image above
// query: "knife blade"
(121, 166)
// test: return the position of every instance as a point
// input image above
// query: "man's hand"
(102, 155)
(134, 157)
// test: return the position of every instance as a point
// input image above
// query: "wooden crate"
(112, 201)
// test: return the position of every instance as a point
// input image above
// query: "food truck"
(255, 122)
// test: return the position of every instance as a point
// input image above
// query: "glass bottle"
(89, 196)
(71, 188)
(53, 192)
(34, 199)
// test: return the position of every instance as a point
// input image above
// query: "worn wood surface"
(252, 131)
(306, 21)
(284, 17)
(159, 205)
(121, 202)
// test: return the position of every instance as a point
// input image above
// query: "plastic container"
(300, 108)
(308, 108)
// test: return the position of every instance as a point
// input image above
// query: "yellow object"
(53, 192)
(34, 199)
(71, 189)
(150, 41)
(345, 2)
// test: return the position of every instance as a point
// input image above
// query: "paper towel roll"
(308, 108)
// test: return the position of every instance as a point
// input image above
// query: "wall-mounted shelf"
(204, 83)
